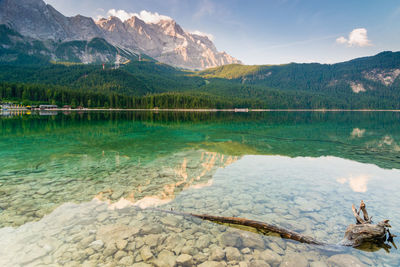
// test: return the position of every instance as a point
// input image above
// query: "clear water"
(80, 189)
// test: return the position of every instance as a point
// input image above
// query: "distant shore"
(227, 110)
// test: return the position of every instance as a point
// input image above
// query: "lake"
(91, 188)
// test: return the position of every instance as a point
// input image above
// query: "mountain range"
(46, 57)
(40, 30)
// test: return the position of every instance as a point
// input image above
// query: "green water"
(79, 188)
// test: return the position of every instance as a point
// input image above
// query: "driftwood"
(363, 235)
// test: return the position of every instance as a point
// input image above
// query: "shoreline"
(231, 110)
(207, 110)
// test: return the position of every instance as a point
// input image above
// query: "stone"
(119, 255)
(251, 240)
(151, 240)
(121, 244)
(184, 260)
(127, 261)
(342, 260)
(297, 260)
(109, 250)
(114, 232)
(270, 257)
(201, 257)
(212, 264)
(233, 254)
(167, 258)
(259, 263)
(43, 191)
(217, 254)
(170, 220)
(276, 248)
(246, 251)
(145, 253)
(318, 264)
(203, 241)
(243, 264)
(230, 239)
(102, 216)
(142, 264)
(97, 245)
(86, 241)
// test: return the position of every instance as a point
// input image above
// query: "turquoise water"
(80, 188)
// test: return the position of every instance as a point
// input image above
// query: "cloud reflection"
(358, 183)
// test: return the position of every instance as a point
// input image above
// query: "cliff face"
(165, 40)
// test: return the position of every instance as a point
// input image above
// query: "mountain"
(368, 75)
(164, 41)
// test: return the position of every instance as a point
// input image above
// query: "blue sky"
(273, 31)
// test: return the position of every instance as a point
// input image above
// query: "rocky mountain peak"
(164, 40)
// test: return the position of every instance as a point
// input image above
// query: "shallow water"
(80, 188)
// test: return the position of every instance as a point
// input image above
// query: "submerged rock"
(145, 253)
(344, 260)
(294, 260)
(233, 254)
(184, 260)
(212, 264)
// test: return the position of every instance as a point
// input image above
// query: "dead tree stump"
(364, 232)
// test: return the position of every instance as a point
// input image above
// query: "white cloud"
(144, 15)
(209, 35)
(357, 38)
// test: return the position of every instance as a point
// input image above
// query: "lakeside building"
(42, 107)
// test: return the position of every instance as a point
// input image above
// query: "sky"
(269, 31)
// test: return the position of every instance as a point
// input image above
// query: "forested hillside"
(372, 82)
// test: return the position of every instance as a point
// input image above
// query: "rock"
(217, 254)
(276, 248)
(297, 260)
(112, 233)
(43, 191)
(86, 241)
(233, 254)
(102, 216)
(212, 264)
(151, 229)
(246, 251)
(270, 257)
(151, 240)
(318, 264)
(184, 260)
(170, 221)
(121, 244)
(201, 257)
(127, 261)
(142, 264)
(230, 239)
(119, 255)
(342, 260)
(260, 263)
(251, 240)
(167, 258)
(97, 245)
(203, 242)
(145, 253)
(243, 264)
(109, 250)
